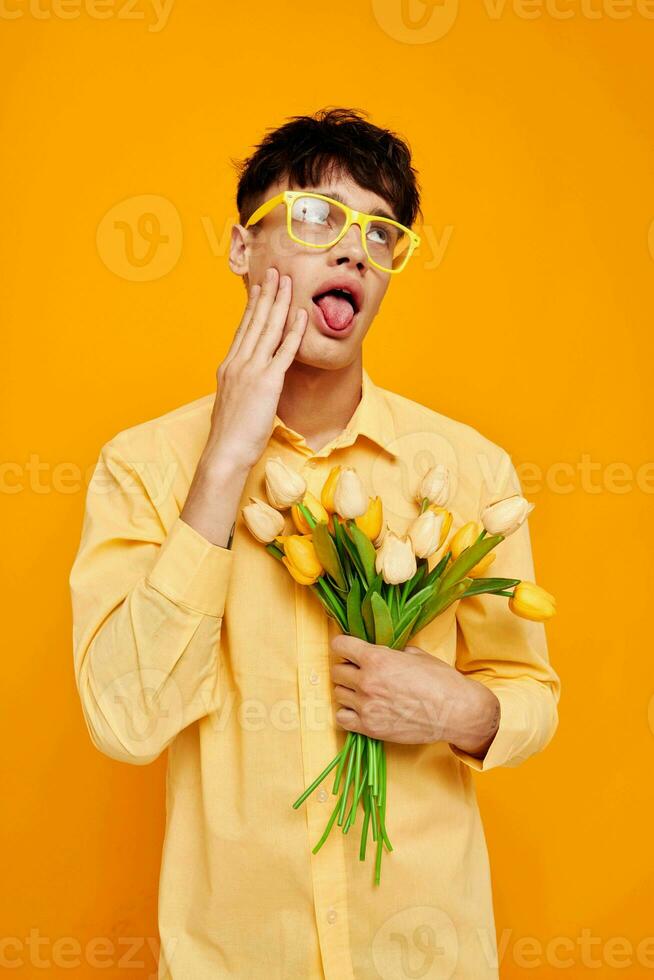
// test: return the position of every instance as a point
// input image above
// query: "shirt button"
(322, 795)
(331, 916)
(313, 677)
(312, 463)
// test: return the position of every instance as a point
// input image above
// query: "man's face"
(312, 270)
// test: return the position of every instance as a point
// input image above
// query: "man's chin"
(318, 351)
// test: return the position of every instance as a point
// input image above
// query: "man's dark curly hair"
(309, 149)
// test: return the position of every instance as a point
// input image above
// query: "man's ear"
(239, 251)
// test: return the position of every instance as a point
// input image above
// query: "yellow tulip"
(327, 493)
(464, 537)
(315, 507)
(301, 558)
(371, 522)
(482, 565)
(530, 601)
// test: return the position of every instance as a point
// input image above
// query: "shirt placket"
(320, 743)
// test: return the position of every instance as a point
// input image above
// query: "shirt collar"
(372, 418)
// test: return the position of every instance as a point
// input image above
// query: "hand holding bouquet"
(377, 585)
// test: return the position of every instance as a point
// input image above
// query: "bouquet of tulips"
(377, 585)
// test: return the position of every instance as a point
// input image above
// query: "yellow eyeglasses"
(318, 221)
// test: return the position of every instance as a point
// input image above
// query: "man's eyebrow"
(339, 197)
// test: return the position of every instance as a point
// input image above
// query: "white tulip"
(262, 520)
(505, 516)
(425, 533)
(283, 485)
(350, 497)
(435, 485)
(396, 559)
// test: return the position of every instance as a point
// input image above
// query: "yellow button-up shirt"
(218, 655)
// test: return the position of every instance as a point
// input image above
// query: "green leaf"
(327, 553)
(383, 621)
(437, 570)
(490, 585)
(401, 636)
(330, 601)
(366, 607)
(418, 599)
(343, 554)
(468, 559)
(354, 618)
(439, 602)
(366, 550)
(351, 550)
(412, 584)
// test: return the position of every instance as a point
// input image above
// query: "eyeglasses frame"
(352, 216)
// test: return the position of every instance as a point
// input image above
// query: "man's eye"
(306, 209)
(379, 235)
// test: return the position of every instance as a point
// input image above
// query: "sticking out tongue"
(337, 310)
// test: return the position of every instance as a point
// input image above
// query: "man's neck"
(317, 402)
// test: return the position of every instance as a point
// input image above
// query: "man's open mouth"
(338, 306)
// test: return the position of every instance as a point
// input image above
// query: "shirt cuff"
(192, 571)
(514, 723)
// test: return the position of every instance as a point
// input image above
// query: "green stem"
(373, 813)
(326, 830)
(351, 817)
(383, 801)
(346, 788)
(371, 758)
(343, 753)
(308, 516)
(320, 778)
(364, 829)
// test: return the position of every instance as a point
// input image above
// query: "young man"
(189, 636)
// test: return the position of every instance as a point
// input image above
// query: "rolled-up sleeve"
(509, 654)
(148, 603)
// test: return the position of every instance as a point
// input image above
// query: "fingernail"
(269, 274)
(284, 281)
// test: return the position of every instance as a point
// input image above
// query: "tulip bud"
(350, 498)
(316, 509)
(301, 559)
(482, 565)
(435, 485)
(262, 520)
(505, 516)
(283, 485)
(425, 533)
(464, 538)
(371, 522)
(327, 494)
(396, 559)
(530, 601)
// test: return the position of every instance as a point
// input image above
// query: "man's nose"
(351, 245)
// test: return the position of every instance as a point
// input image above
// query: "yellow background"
(527, 314)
